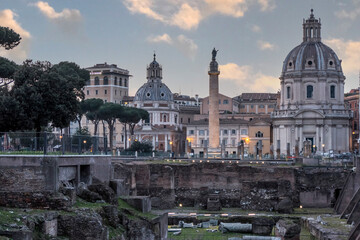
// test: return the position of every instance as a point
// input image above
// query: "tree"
(7, 68)
(43, 94)
(92, 106)
(131, 117)
(109, 112)
(141, 146)
(8, 38)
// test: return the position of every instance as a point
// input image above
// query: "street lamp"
(84, 145)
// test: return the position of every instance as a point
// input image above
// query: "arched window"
(106, 81)
(164, 118)
(115, 81)
(288, 92)
(120, 82)
(125, 82)
(97, 81)
(175, 118)
(332, 91)
(309, 91)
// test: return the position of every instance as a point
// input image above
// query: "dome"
(312, 55)
(153, 91)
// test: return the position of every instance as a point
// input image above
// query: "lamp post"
(323, 149)
(84, 145)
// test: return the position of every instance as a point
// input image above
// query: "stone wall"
(247, 187)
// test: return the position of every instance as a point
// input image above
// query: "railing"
(49, 143)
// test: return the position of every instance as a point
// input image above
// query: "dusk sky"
(253, 37)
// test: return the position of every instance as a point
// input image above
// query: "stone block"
(141, 203)
(263, 226)
(287, 229)
(120, 187)
(285, 206)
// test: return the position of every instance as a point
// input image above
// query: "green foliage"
(9, 38)
(41, 94)
(141, 146)
(132, 116)
(81, 203)
(7, 68)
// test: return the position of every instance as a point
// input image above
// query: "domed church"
(163, 130)
(312, 97)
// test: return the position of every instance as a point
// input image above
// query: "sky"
(253, 37)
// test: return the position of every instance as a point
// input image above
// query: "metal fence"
(51, 143)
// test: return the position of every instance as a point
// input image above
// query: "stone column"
(214, 123)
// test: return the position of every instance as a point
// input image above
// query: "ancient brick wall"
(247, 187)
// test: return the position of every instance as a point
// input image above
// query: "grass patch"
(201, 233)
(311, 211)
(115, 232)
(9, 216)
(132, 213)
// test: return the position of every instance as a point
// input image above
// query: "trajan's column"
(214, 105)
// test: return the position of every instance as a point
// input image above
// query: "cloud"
(265, 45)
(185, 45)
(69, 20)
(235, 8)
(142, 7)
(249, 80)
(187, 17)
(188, 14)
(352, 14)
(160, 38)
(20, 52)
(267, 5)
(255, 28)
(349, 51)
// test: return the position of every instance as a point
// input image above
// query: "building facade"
(111, 84)
(352, 101)
(226, 105)
(256, 103)
(312, 97)
(232, 132)
(164, 130)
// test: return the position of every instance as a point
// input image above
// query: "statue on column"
(214, 52)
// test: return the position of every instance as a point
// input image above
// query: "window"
(97, 81)
(106, 81)
(191, 132)
(288, 92)
(188, 120)
(181, 120)
(355, 126)
(226, 101)
(87, 92)
(233, 131)
(201, 132)
(105, 91)
(233, 142)
(242, 106)
(243, 131)
(96, 92)
(332, 91)
(219, 101)
(164, 118)
(225, 132)
(175, 118)
(115, 92)
(120, 82)
(105, 101)
(125, 82)
(261, 106)
(115, 81)
(252, 106)
(259, 134)
(309, 91)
